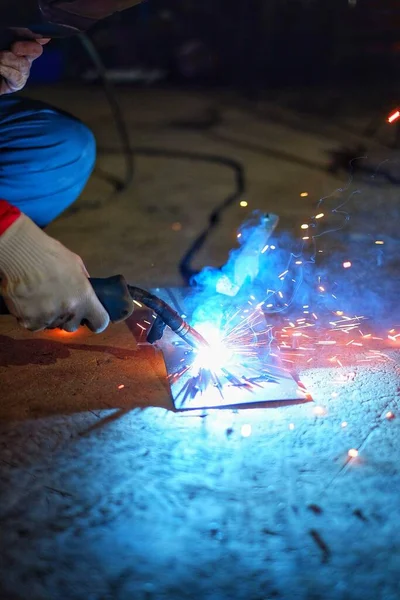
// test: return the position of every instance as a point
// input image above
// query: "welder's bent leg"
(46, 157)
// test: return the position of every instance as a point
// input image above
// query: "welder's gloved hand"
(44, 284)
(15, 64)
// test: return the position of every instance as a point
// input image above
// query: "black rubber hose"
(157, 330)
(186, 271)
(117, 113)
(161, 308)
(170, 317)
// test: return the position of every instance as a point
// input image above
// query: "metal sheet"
(255, 382)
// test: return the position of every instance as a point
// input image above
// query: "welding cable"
(185, 268)
(168, 316)
(116, 111)
(161, 308)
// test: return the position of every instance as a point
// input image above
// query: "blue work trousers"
(46, 157)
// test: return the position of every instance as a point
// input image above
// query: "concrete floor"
(100, 499)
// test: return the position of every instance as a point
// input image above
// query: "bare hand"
(15, 64)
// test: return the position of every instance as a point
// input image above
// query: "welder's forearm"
(44, 285)
(8, 214)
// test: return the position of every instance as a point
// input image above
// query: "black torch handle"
(114, 295)
(112, 292)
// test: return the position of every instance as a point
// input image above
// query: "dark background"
(250, 45)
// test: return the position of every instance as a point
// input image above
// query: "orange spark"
(63, 333)
(393, 116)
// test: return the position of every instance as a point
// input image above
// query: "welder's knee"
(78, 145)
(46, 158)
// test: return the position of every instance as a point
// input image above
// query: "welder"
(46, 158)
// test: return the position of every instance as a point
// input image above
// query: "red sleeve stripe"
(8, 214)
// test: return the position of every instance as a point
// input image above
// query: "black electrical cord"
(115, 107)
(185, 268)
(168, 316)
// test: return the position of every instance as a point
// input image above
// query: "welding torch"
(118, 298)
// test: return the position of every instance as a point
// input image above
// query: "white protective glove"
(44, 284)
